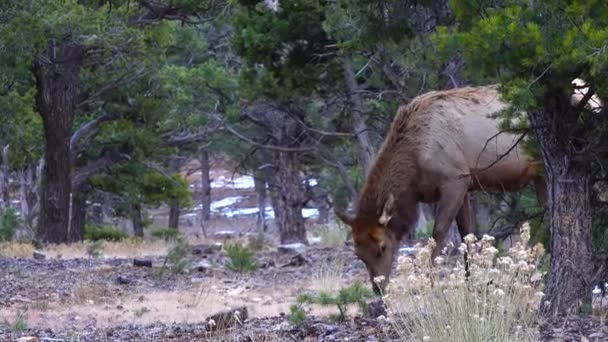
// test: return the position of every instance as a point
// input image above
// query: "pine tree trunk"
(79, 214)
(136, 219)
(174, 210)
(57, 81)
(205, 185)
(569, 188)
(260, 190)
(5, 180)
(289, 199)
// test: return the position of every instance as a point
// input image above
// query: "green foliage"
(95, 248)
(165, 233)
(426, 232)
(357, 293)
(297, 315)
(19, 324)
(9, 221)
(104, 232)
(241, 258)
(179, 256)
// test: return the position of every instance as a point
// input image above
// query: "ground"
(70, 296)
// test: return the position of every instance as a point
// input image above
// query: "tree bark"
(57, 74)
(260, 190)
(174, 209)
(79, 214)
(364, 143)
(205, 185)
(136, 219)
(29, 196)
(289, 199)
(569, 190)
(5, 201)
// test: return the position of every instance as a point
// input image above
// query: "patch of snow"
(225, 202)
(242, 182)
(596, 291)
(298, 246)
(408, 250)
(310, 212)
(189, 215)
(314, 240)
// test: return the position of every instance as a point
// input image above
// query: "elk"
(440, 147)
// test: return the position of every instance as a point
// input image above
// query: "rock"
(206, 249)
(140, 262)
(27, 339)
(122, 280)
(292, 247)
(39, 255)
(227, 319)
(376, 308)
(296, 260)
(202, 266)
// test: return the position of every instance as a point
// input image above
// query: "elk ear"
(344, 217)
(386, 211)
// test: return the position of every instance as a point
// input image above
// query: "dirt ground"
(69, 296)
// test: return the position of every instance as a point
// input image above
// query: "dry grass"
(498, 302)
(89, 292)
(332, 235)
(14, 249)
(327, 275)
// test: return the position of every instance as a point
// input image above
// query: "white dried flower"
(536, 277)
(426, 338)
(539, 294)
(499, 293)
(379, 279)
(470, 238)
(463, 248)
(211, 322)
(439, 260)
(487, 237)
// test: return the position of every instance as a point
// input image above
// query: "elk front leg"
(451, 198)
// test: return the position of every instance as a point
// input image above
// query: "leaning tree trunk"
(569, 189)
(364, 143)
(289, 199)
(57, 81)
(79, 214)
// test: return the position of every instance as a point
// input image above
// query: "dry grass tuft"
(498, 302)
(331, 235)
(12, 249)
(327, 276)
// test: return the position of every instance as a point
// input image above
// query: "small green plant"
(104, 232)
(357, 294)
(166, 234)
(9, 221)
(19, 324)
(297, 315)
(178, 257)
(425, 232)
(95, 249)
(241, 258)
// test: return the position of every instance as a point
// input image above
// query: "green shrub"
(9, 221)
(19, 324)
(297, 316)
(426, 232)
(179, 256)
(95, 249)
(357, 294)
(166, 234)
(241, 258)
(104, 232)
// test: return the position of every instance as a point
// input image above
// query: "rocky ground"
(113, 300)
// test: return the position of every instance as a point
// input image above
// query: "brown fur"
(437, 151)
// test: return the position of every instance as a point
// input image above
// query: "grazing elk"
(440, 146)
